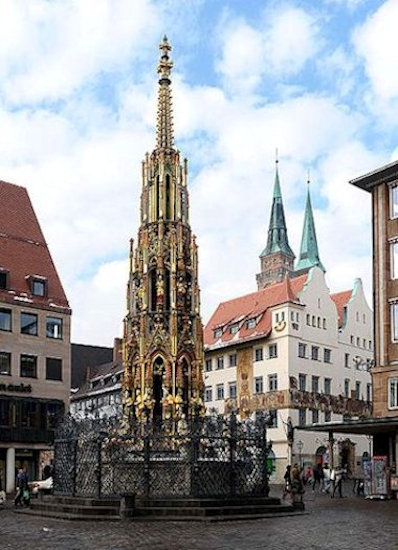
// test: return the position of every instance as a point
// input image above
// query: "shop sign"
(380, 481)
(18, 388)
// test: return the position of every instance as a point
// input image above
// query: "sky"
(316, 80)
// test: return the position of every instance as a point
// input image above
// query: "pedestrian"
(326, 479)
(318, 477)
(21, 483)
(337, 481)
(297, 484)
(287, 482)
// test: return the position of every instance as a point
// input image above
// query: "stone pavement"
(336, 524)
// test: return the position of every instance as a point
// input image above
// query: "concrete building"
(34, 339)
(293, 348)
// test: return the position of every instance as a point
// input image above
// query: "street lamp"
(300, 446)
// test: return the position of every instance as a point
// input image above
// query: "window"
(324, 323)
(220, 363)
(53, 368)
(364, 343)
(328, 416)
(319, 322)
(54, 328)
(220, 391)
(394, 201)
(313, 321)
(28, 366)
(347, 360)
(218, 333)
(393, 393)
(328, 385)
(314, 353)
(351, 339)
(29, 324)
(315, 384)
(292, 315)
(232, 360)
(272, 382)
(302, 417)
(273, 418)
(233, 329)
(276, 317)
(38, 287)
(272, 351)
(5, 362)
(208, 393)
(302, 382)
(297, 317)
(208, 365)
(308, 319)
(258, 384)
(258, 354)
(250, 323)
(315, 416)
(302, 349)
(368, 392)
(232, 390)
(357, 316)
(394, 260)
(358, 390)
(347, 387)
(358, 341)
(5, 319)
(327, 355)
(370, 344)
(3, 279)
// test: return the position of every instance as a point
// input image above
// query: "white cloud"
(281, 43)
(376, 42)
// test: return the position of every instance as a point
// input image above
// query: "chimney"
(117, 349)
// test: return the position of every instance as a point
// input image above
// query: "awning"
(369, 426)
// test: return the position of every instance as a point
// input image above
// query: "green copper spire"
(277, 232)
(309, 255)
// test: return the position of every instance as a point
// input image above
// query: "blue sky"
(317, 80)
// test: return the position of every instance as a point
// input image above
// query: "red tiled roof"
(255, 305)
(341, 299)
(24, 252)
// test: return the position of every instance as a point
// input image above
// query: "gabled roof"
(105, 373)
(24, 252)
(251, 306)
(341, 299)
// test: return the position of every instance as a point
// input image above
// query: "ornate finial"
(308, 177)
(164, 134)
(165, 63)
(276, 156)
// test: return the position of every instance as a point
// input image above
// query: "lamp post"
(300, 446)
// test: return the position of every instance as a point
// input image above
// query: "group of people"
(330, 481)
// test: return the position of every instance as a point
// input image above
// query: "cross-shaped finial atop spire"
(165, 63)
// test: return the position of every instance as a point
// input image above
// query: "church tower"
(277, 258)
(309, 255)
(163, 333)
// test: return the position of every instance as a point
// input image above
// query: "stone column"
(10, 470)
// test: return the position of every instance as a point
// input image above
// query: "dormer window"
(218, 333)
(250, 323)
(4, 278)
(38, 285)
(233, 329)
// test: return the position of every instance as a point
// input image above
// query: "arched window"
(152, 290)
(169, 215)
(157, 198)
(158, 371)
(167, 290)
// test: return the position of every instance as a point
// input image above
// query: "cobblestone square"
(338, 524)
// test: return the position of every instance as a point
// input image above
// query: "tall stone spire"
(277, 258)
(164, 131)
(163, 334)
(309, 255)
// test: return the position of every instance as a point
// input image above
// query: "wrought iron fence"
(211, 456)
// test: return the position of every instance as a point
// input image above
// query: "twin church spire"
(277, 258)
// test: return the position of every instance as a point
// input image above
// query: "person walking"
(287, 482)
(21, 483)
(337, 482)
(318, 477)
(326, 479)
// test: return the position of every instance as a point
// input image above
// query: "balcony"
(26, 435)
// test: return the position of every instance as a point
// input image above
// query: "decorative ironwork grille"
(205, 457)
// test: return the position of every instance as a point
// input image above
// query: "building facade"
(383, 186)
(293, 349)
(34, 340)
(163, 338)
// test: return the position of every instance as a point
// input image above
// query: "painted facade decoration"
(163, 335)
